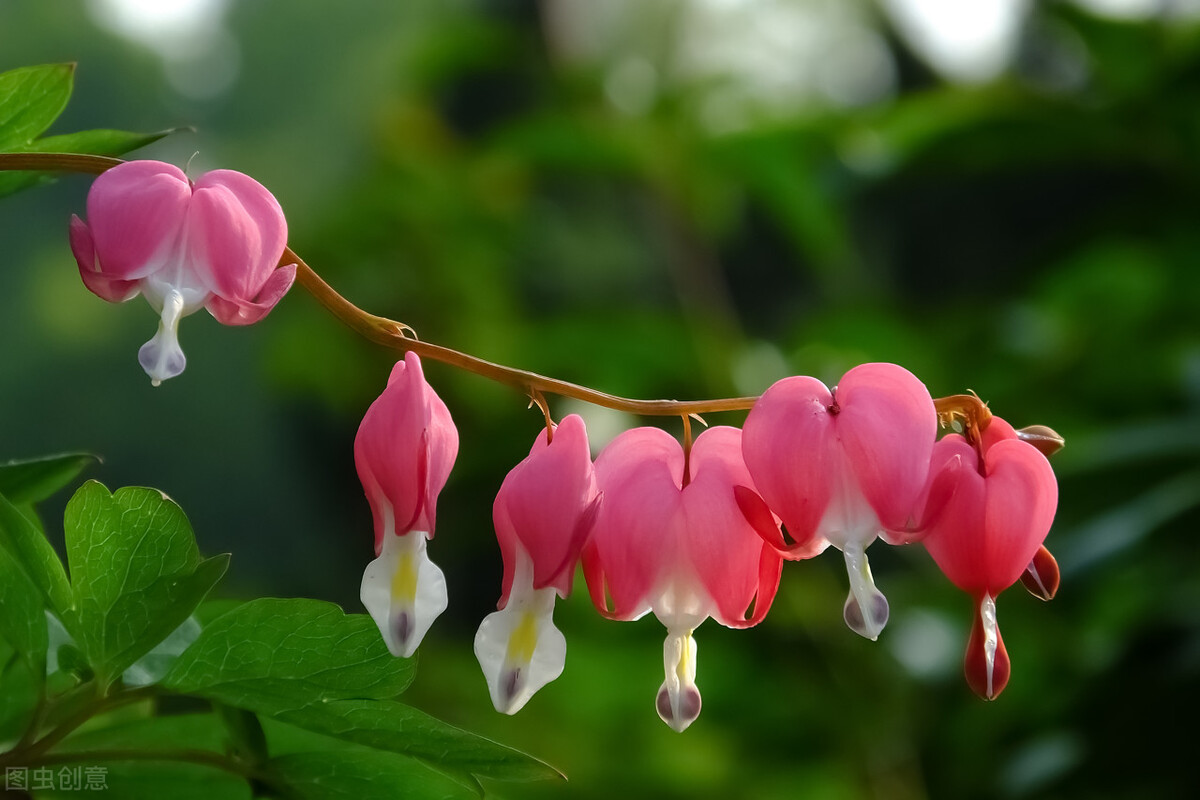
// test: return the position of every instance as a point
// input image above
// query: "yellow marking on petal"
(523, 640)
(404, 580)
(681, 668)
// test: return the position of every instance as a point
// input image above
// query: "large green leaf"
(388, 725)
(30, 99)
(22, 613)
(145, 780)
(135, 571)
(361, 774)
(272, 653)
(30, 549)
(33, 480)
(200, 731)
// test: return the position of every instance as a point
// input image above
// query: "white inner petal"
(991, 637)
(678, 701)
(518, 647)
(404, 592)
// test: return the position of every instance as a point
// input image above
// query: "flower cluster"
(701, 529)
(688, 531)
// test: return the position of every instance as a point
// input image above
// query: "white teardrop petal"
(519, 649)
(404, 592)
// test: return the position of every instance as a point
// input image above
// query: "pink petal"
(136, 213)
(404, 450)
(544, 499)
(247, 312)
(633, 540)
(721, 545)
(1022, 495)
(236, 234)
(113, 290)
(954, 539)
(887, 426)
(788, 444)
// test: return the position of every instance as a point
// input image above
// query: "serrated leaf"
(388, 725)
(136, 573)
(22, 613)
(284, 653)
(31, 98)
(34, 553)
(33, 480)
(361, 774)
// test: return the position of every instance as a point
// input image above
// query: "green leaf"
(18, 695)
(22, 613)
(360, 774)
(272, 653)
(31, 98)
(388, 725)
(307, 663)
(246, 737)
(34, 480)
(147, 780)
(135, 571)
(200, 731)
(30, 549)
(98, 142)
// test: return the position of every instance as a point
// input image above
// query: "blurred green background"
(680, 199)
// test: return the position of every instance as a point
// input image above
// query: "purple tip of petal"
(402, 627)
(512, 684)
(852, 613)
(683, 711)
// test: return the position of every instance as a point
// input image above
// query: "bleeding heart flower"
(671, 539)
(543, 513)
(404, 450)
(990, 533)
(842, 467)
(214, 244)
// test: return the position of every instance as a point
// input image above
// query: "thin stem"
(390, 333)
(99, 706)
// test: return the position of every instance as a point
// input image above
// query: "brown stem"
(390, 333)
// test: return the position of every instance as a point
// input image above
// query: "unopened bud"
(1044, 438)
(1041, 576)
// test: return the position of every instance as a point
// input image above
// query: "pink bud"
(214, 244)
(404, 450)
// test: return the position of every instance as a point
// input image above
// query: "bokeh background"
(663, 198)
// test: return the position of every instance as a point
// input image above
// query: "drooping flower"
(214, 244)
(671, 539)
(842, 467)
(543, 513)
(990, 533)
(404, 450)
